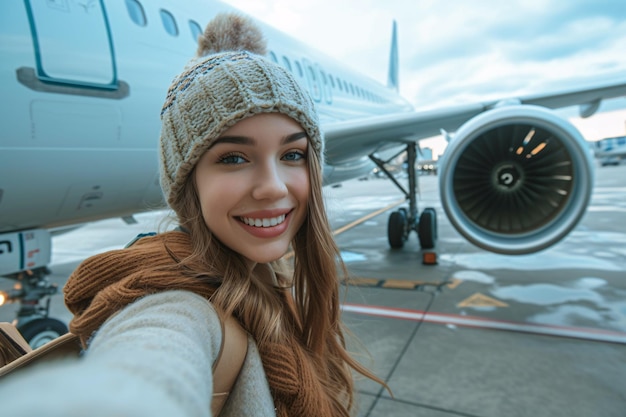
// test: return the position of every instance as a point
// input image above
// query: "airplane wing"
(344, 140)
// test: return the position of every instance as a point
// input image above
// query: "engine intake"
(516, 179)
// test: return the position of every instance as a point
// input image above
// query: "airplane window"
(273, 57)
(136, 13)
(287, 63)
(196, 30)
(339, 84)
(332, 80)
(169, 23)
(345, 86)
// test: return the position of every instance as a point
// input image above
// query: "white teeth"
(263, 222)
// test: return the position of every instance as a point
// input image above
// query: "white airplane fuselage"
(83, 89)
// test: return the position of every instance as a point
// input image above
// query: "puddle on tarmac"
(546, 294)
(352, 256)
(539, 261)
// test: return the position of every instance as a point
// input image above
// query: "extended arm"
(153, 358)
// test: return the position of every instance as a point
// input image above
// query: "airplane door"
(90, 61)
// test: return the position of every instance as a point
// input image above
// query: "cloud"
(456, 51)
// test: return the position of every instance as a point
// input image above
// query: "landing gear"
(427, 228)
(403, 221)
(31, 288)
(38, 332)
(398, 228)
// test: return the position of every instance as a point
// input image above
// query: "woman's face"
(253, 185)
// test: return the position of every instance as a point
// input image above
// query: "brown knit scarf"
(105, 283)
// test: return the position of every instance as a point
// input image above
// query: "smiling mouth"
(268, 222)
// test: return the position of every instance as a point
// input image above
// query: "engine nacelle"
(516, 179)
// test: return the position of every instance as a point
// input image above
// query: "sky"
(459, 51)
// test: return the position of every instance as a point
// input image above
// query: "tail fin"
(392, 77)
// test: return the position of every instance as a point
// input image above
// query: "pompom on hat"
(226, 82)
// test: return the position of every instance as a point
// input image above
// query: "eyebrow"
(245, 140)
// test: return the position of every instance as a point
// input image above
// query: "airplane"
(84, 81)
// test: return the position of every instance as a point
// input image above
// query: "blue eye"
(294, 156)
(232, 159)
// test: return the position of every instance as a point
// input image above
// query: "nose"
(269, 182)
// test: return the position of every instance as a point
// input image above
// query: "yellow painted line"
(454, 282)
(358, 221)
(399, 284)
(481, 300)
(367, 217)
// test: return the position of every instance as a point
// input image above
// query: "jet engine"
(516, 179)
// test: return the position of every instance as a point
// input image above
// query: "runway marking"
(584, 333)
(481, 300)
(367, 217)
(400, 284)
(454, 282)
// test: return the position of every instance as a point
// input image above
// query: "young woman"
(241, 160)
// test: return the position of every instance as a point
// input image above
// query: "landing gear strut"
(403, 221)
(30, 289)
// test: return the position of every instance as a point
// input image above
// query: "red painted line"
(480, 322)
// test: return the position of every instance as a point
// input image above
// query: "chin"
(266, 257)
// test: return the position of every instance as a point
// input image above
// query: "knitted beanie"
(217, 90)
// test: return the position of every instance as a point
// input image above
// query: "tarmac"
(477, 334)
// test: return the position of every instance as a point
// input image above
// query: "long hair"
(312, 278)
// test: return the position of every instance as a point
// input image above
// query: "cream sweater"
(153, 358)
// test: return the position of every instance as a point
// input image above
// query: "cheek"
(214, 195)
(302, 188)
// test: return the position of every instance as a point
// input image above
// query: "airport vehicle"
(84, 81)
(610, 151)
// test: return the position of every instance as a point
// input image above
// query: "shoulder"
(177, 301)
(172, 309)
(181, 316)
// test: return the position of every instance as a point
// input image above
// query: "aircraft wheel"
(427, 228)
(38, 332)
(397, 229)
